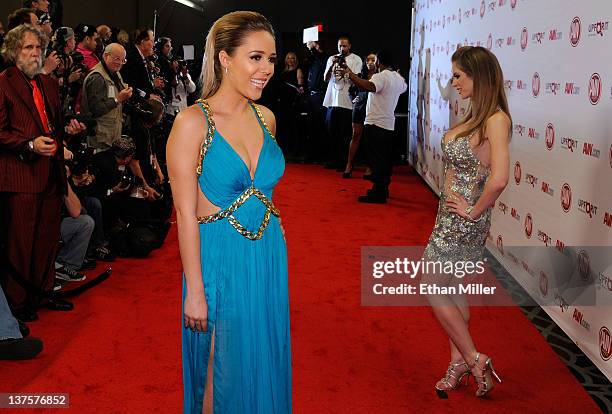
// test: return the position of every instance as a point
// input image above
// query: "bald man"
(103, 96)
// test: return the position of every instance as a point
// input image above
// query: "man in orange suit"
(32, 176)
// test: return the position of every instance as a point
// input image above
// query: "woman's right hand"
(196, 313)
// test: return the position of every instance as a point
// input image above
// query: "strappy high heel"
(485, 379)
(453, 378)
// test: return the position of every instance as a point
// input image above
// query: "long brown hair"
(227, 34)
(488, 92)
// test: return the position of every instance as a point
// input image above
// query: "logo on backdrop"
(543, 283)
(528, 225)
(483, 8)
(513, 4)
(571, 88)
(517, 173)
(490, 41)
(579, 318)
(598, 28)
(566, 197)
(595, 88)
(610, 156)
(555, 34)
(575, 28)
(587, 208)
(500, 244)
(584, 265)
(532, 180)
(550, 136)
(589, 149)
(605, 343)
(524, 38)
(535, 84)
(569, 143)
(459, 14)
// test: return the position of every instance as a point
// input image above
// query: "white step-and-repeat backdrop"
(552, 225)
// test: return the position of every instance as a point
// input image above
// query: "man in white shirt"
(385, 87)
(338, 102)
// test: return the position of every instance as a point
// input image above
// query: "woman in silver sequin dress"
(475, 174)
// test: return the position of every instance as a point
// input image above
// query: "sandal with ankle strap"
(485, 380)
(453, 378)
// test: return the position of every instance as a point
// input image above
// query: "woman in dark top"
(291, 89)
(359, 113)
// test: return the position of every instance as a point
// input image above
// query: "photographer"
(103, 96)
(76, 230)
(144, 165)
(182, 87)
(136, 70)
(165, 63)
(87, 39)
(339, 103)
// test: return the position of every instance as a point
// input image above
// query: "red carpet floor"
(119, 350)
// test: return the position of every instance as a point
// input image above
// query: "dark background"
(371, 26)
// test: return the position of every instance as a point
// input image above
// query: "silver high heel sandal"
(453, 378)
(485, 380)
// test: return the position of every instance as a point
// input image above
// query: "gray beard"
(30, 70)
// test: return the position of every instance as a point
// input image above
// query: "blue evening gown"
(244, 269)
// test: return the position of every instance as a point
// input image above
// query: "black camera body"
(341, 60)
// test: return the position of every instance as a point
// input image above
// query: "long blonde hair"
(227, 34)
(488, 92)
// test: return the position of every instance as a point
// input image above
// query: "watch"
(31, 145)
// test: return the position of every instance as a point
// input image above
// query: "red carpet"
(119, 350)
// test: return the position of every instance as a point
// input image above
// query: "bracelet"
(468, 211)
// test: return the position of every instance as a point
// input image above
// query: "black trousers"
(339, 127)
(379, 147)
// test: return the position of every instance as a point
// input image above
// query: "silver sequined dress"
(455, 238)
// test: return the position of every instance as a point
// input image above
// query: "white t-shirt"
(380, 108)
(337, 93)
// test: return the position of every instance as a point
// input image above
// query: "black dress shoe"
(88, 264)
(372, 199)
(59, 305)
(23, 328)
(25, 315)
(367, 177)
(21, 348)
(347, 174)
(375, 194)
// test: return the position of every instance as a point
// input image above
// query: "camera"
(137, 103)
(341, 60)
(81, 161)
(89, 122)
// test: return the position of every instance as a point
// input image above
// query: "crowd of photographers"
(91, 107)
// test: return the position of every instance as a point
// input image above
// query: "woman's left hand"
(457, 204)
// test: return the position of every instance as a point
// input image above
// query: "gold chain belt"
(228, 213)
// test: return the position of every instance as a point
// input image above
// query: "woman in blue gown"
(223, 163)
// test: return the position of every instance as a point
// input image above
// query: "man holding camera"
(338, 102)
(182, 86)
(33, 180)
(103, 96)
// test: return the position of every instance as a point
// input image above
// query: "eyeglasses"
(118, 59)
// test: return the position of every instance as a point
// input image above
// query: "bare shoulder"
(499, 120)
(189, 126)
(269, 117)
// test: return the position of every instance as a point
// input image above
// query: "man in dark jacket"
(32, 176)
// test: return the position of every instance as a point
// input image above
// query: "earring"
(226, 70)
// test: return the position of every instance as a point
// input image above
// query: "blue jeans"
(9, 328)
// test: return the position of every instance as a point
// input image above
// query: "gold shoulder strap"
(262, 121)
(205, 107)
